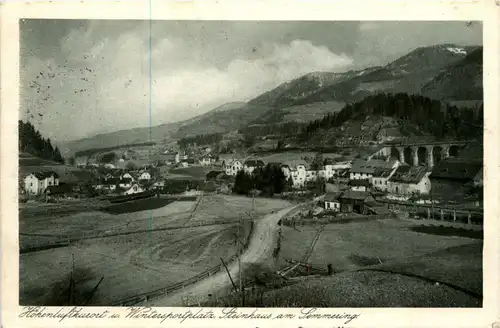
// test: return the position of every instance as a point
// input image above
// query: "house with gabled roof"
(453, 175)
(297, 171)
(207, 160)
(362, 169)
(356, 201)
(407, 180)
(332, 201)
(35, 183)
(232, 166)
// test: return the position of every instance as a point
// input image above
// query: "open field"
(447, 278)
(311, 112)
(97, 221)
(216, 207)
(130, 264)
(196, 172)
(354, 245)
(133, 256)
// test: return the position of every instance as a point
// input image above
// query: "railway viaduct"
(422, 153)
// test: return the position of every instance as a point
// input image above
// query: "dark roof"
(409, 174)
(369, 167)
(189, 161)
(456, 169)
(332, 196)
(125, 180)
(254, 163)
(42, 175)
(382, 173)
(358, 195)
(359, 182)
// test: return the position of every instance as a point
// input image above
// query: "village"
(367, 185)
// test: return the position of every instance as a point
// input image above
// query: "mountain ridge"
(319, 92)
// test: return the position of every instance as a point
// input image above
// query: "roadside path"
(260, 247)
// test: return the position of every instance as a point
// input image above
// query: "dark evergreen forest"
(31, 141)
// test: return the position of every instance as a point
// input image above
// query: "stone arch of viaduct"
(423, 154)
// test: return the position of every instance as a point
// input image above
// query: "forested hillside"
(31, 141)
(432, 116)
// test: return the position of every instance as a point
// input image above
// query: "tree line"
(269, 180)
(201, 139)
(440, 119)
(92, 151)
(31, 141)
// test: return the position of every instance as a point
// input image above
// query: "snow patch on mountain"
(459, 51)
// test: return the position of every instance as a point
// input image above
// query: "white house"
(232, 167)
(362, 169)
(207, 160)
(331, 168)
(297, 171)
(133, 189)
(407, 180)
(127, 176)
(332, 201)
(380, 178)
(35, 183)
(125, 183)
(144, 176)
(179, 157)
(109, 166)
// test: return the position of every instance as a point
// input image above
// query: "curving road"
(260, 247)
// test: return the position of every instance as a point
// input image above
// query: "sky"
(84, 77)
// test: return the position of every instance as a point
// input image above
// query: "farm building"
(407, 180)
(125, 183)
(331, 168)
(144, 176)
(381, 177)
(332, 201)
(365, 169)
(134, 189)
(35, 183)
(355, 201)
(127, 176)
(453, 175)
(232, 166)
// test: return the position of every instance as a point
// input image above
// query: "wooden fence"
(137, 299)
(336, 219)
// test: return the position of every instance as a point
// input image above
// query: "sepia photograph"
(260, 164)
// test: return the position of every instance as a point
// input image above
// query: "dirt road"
(260, 247)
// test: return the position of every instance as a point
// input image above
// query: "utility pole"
(229, 274)
(239, 263)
